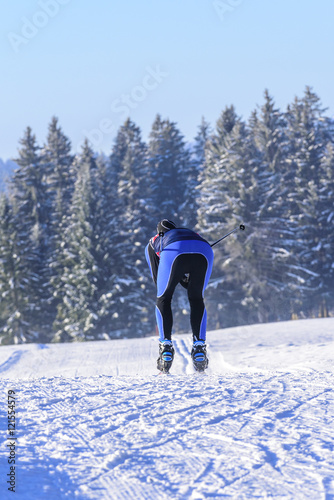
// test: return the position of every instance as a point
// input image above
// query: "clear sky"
(92, 63)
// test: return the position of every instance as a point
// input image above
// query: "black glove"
(185, 281)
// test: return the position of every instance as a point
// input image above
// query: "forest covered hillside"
(73, 228)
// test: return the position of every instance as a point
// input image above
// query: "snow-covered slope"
(94, 421)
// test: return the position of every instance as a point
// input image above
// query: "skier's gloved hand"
(185, 281)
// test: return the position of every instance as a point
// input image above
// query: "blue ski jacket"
(158, 243)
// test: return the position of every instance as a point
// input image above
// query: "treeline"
(73, 228)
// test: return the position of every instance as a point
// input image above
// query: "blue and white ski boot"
(199, 357)
(166, 356)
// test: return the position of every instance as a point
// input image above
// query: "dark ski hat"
(165, 225)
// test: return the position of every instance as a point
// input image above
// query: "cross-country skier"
(179, 255)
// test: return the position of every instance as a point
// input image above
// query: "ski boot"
(166, 356)
(199, 357)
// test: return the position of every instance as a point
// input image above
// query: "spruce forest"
(73, 228)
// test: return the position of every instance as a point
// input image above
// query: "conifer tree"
(79, 285)
(213, 177)
(273, 230)
(169, 169)
(60, 174)
(227, 194)
(12, 301)
(324, 250)
(308, 135)
(109, 251)
(203, 135)
(240, 195)
(189, 208)
(57, 159)
(29, 205)
(135, 224)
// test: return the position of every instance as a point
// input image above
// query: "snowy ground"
(95, 422)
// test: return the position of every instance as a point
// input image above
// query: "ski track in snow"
(252, 427)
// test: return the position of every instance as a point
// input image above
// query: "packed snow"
(95, 421)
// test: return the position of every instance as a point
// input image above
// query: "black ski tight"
(195, 265)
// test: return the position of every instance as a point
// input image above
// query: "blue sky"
(93, 63)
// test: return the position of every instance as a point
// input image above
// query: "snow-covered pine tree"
(272, 229)
(111, 248)
(325, 248)
(308, 136)
(57, 160)
(227, 198)
(189, 208)
(203, 136)
(211, 210)
(135, 222)
(30, 219)
(78, 287)
(242, 283)
(169, 163)
(59, 178)
(212, 178)
(12, 302)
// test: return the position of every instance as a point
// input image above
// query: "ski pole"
(241, 227)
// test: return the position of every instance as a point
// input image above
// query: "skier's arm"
(153, 261)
